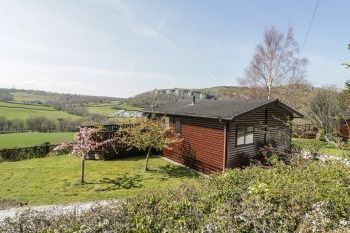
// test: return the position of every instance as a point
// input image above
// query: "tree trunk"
(82, 170)
(268, 92)
(147, 158)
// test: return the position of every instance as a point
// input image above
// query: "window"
(167, 122)
(245, 135)
(178, 126)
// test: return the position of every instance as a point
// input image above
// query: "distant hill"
(82, 105)
(21, 105)
(295, 96)
(43, 97)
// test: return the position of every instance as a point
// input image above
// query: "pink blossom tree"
(86, 140)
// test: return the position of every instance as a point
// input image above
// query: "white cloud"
(141, 29)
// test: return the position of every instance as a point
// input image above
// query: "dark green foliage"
(305, 196)
(16, 154)
(40, 124)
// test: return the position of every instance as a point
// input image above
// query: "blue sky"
(122, 48)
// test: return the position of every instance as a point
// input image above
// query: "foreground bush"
(300, 197)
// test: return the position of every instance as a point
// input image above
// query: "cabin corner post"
(225, 147)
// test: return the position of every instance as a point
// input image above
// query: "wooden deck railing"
(110, 151)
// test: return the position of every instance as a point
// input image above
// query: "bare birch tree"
(276, 62)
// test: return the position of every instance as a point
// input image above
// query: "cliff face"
(294, 96)
(163, 96)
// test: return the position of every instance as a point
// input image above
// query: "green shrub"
(16, 154)
(304, 196)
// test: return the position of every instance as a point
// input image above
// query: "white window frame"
(247, 136)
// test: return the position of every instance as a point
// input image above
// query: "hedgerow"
(303, 196)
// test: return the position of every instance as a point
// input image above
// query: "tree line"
(44, 124)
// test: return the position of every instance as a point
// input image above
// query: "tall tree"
(276, 62)
(324, 109)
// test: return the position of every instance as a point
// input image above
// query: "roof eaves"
(187, 115)
(252, 109)
(297, 114)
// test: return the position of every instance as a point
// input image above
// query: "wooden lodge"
(221, 134)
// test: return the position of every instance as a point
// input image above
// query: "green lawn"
(23, 111)
(33, 138)
(323, 147)
(55, 179)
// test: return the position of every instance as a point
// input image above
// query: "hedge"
(16, 154)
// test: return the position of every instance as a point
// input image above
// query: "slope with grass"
(55, 179)
(22, 111)
(322, 147)
(105, 109)
(33, 138)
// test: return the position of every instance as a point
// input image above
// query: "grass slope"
(29, 139)
(321, 147)
(55, 179)
(23, 111)
(102, 109)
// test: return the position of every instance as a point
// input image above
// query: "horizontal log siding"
(241, 155)
(279, 133)
(203, 145)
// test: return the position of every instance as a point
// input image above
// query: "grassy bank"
(55, 179)
(33, 138)
(322, 147)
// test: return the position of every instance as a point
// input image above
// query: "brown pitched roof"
(218, 109)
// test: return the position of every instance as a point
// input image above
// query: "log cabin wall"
(203, 144)
(278, 134)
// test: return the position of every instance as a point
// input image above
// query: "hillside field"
(30, 139)
(13, 110)
(105, 109)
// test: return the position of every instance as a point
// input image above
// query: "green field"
(15, 110)
(29, 139)
(55, 179)
(105, 109)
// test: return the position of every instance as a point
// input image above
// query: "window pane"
(167, 122)
(178, 126)
(240, 136)
(249, 135)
